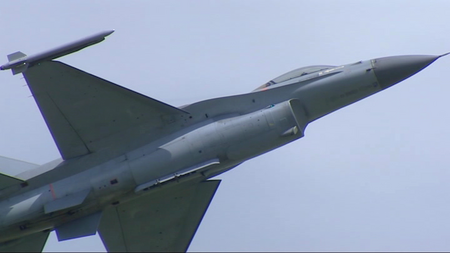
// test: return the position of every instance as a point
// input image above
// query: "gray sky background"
(371, 177)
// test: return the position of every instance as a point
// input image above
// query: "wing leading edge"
(85, 113)
(163, 222)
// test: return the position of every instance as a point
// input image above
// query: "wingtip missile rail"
(19, 62)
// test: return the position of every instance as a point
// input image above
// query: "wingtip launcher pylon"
(19, 62)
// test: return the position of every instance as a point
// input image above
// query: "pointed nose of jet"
(394, 69)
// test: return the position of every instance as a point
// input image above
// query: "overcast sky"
(373, 176)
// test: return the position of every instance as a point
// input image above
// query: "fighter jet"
(138, 171)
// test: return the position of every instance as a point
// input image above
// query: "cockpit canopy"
(294, 74)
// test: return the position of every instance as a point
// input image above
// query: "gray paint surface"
(369, 177)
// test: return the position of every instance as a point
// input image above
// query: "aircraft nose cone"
(394, 69)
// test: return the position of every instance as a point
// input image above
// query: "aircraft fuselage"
(212, 143)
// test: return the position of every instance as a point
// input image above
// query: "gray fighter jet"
(138, 170)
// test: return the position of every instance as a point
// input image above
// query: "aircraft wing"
(14, 167)
(164, 221)
(86, 113)
(30, 243)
